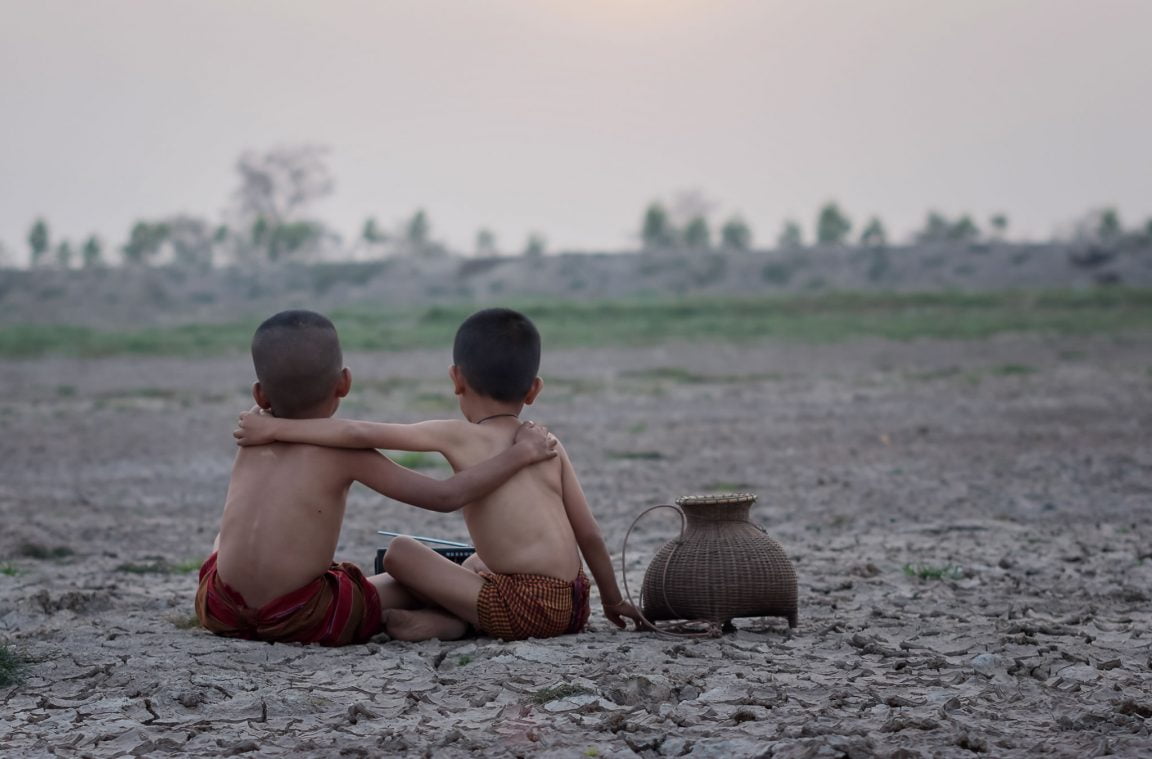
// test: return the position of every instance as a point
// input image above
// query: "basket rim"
(717, 499)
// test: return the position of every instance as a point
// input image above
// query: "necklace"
(515, 416)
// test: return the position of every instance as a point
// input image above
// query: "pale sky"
(566, 117)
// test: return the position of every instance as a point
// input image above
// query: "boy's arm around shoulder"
(257, 428)
(533, 443)
(592, 546)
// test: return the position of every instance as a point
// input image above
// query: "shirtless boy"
(270, 576)
(526, 578)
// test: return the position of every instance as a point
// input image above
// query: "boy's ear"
(537, 386)
(344, 384)
(458, 383)
(258, 396)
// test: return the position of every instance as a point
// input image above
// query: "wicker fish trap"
(722, 566)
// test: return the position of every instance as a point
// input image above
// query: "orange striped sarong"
(515, 607)
(337, 608)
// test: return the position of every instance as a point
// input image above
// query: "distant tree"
(735, 234)
(486, 243)
(832, 226)
(535, 246)
(285, 241)
(38, 241)
(277, 189)
(657, 232)
(791, 236)
(874, 234)
(64, 255)
(418, 230)
(936, 228)
(1101, 226)
(964, 230)
(261, 232)
(1108, 228)
(371, 232)
(697, 235)
(144, 242)
(91, 252)
(280, 184)
(688, 205)
(1148, 231)
(999, 226)
(192, 240)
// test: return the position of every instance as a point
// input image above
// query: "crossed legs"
(424, 595)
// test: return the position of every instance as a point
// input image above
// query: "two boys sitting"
(271, 576)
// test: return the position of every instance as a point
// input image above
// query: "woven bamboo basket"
(721, 567)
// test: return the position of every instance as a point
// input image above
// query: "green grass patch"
(635, 455)
(667, 373)
(8, 569)
(931, 572)
(973, 376)
(11, 666)
(928, 375)
(43, 552)
(417, 459)
(571, 386)
(184, 621)
(388, 385)
(648, 320)
(557, 692)
(160, 567)
(1009, 370)
(729, 486)
(145, 568)
(436, 403)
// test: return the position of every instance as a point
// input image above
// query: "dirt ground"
(1013, 475)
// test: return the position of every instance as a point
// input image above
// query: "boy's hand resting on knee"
(537, 439)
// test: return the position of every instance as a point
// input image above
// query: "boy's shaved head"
(298, 360)
(498, 352)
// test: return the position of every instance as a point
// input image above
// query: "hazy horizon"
(567, 118)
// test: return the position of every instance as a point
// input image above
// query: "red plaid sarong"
(337, 608)
(515, 607)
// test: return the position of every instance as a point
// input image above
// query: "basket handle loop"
(712, 632)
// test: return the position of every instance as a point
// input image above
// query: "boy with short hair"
(526, 578)
(271, 575)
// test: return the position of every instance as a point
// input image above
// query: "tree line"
(270, 220)
(661, 231)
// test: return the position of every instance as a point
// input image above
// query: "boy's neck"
(322, 411)
(485, 409)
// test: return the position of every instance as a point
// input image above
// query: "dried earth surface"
(969, 522)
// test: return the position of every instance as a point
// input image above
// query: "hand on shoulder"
(254, 427)
(538, 439)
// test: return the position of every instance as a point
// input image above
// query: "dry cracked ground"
(969, 523)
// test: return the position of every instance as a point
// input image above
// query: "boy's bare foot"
(423, 624)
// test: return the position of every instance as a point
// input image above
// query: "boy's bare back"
(522, 527)
(282, 516)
